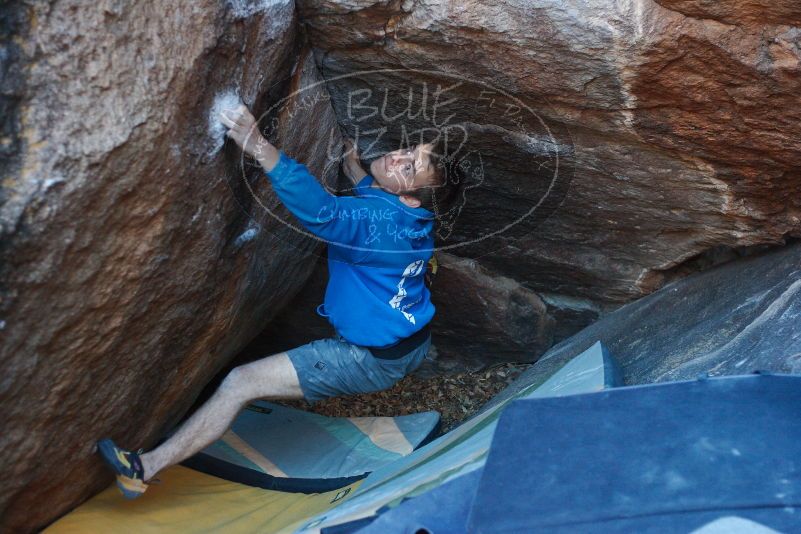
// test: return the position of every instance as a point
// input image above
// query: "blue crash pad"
(443, 510)
(677, 456)
(276, 447)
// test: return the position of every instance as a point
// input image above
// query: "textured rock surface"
(483, 319)
(131, 271)
(683, 120)
(298, 322)
(735, 319)
(747, 12)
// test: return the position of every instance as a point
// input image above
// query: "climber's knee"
(273, 376)
(234, 384)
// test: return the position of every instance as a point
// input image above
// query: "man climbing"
(379, 243)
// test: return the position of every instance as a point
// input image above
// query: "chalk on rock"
(228, 100)
(247, 236)
(243, 9)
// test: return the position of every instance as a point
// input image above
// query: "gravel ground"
(456, 396)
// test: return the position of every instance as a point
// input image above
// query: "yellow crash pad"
(188, 501)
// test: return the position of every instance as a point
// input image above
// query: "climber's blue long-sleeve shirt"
(378, 250)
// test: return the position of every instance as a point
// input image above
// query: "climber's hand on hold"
(244, 130)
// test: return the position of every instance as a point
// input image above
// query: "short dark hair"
(441, 196)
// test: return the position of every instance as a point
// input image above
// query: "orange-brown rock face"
(679, 123)
(754, 12)
(135, 262)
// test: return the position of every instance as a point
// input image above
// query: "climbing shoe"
(126, 465)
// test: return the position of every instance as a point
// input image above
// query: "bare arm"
(351, 165)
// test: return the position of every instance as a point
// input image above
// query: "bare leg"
(270, 377)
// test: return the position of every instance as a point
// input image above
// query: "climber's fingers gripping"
(239, 119)
(238, 115)
(242, 128)
(227, 120)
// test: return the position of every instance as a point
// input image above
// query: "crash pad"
(641, 458)
(277, 447)
(464, 449)
(190, 501)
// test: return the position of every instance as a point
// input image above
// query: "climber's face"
(404, 169)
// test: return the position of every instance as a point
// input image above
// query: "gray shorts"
(332, 367)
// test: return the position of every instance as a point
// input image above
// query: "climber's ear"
(410, 201)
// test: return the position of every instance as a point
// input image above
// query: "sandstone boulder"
(677, 125)
(738, 318)
(483, 319)
(136, 261)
